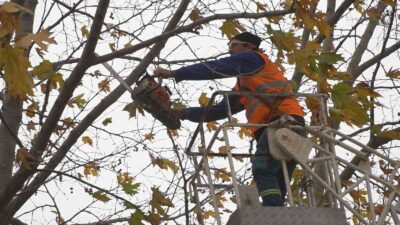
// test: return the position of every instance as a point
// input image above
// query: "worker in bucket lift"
(254, 72)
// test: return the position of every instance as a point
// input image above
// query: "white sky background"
(209, 43)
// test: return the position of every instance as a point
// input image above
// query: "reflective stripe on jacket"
(268, 80)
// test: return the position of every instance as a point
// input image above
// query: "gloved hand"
(163, 73)
(177, 114)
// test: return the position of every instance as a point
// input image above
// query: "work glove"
(163, 73)
(177, 114)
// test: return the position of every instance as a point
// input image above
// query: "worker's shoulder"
(248, 55)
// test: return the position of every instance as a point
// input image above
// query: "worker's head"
(244, 42)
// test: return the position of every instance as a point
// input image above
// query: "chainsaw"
(155, 100)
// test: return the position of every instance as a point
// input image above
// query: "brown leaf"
(22, 158)
(195, 14)
(212, 126)
(42, 39)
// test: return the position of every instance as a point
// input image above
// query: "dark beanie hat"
(249, 38)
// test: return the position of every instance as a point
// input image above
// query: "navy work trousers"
(267, 171)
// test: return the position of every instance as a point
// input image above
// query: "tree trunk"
(12, 108)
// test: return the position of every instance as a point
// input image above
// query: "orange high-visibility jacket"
(268, 80)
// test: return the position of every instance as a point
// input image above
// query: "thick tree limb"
(12, 107)
(363, 44)
(20, 177)
(364, 66)
(373, 143)
(40, 144)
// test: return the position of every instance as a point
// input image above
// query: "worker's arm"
(239, 64)
(217, 112)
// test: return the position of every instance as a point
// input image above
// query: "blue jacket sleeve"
(241, 63)
(217, 112)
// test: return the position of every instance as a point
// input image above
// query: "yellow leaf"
(220, 200)
(56, 81)
(90, 168)
(195, 14)
(391, 134)
(149, 136)
(44, 70)
(128, 45)
(207, 214)
(87, 140)
(15, 65)
(68, 122)
(42, 39)
(9, 23)
(212, 126)
(324, 28)
(203, 99)
(164, 163)
(245, 132)
(391, 3)
(101, 197)
(260, 6)
(231, 28)
(22, 158)
(223, 175)
(85, 32)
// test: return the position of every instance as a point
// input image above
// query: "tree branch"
(40, 144)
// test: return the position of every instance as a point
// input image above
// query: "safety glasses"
(234, 43)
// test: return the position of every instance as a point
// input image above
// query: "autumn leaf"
(32, 109)
(346, 106)
(158, 200)
(78, 101)
(124, 178)
(149, 136)
(223, 175)
(164, 163)
(44, 70)
(132, 108)
(220, 200)
(195, 14)
(42, 39)
(203, 99)
(87, 140)
(107, 121)
(209, 213)
(15, 64)
(100, 196)
(8, 20)
(231, 28)
(394, 74)
(283, 40)
(85, 32)
(324, 27)
(90, 169)
(11, 7)
(260, 6)
(137, 218)
(212, 126)
(391, 134)
(112, 47)
(68, 122)
(359, 196)
(130, 188)
(104, 85)
(245, 132)
(22, 156)
(154, 219)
